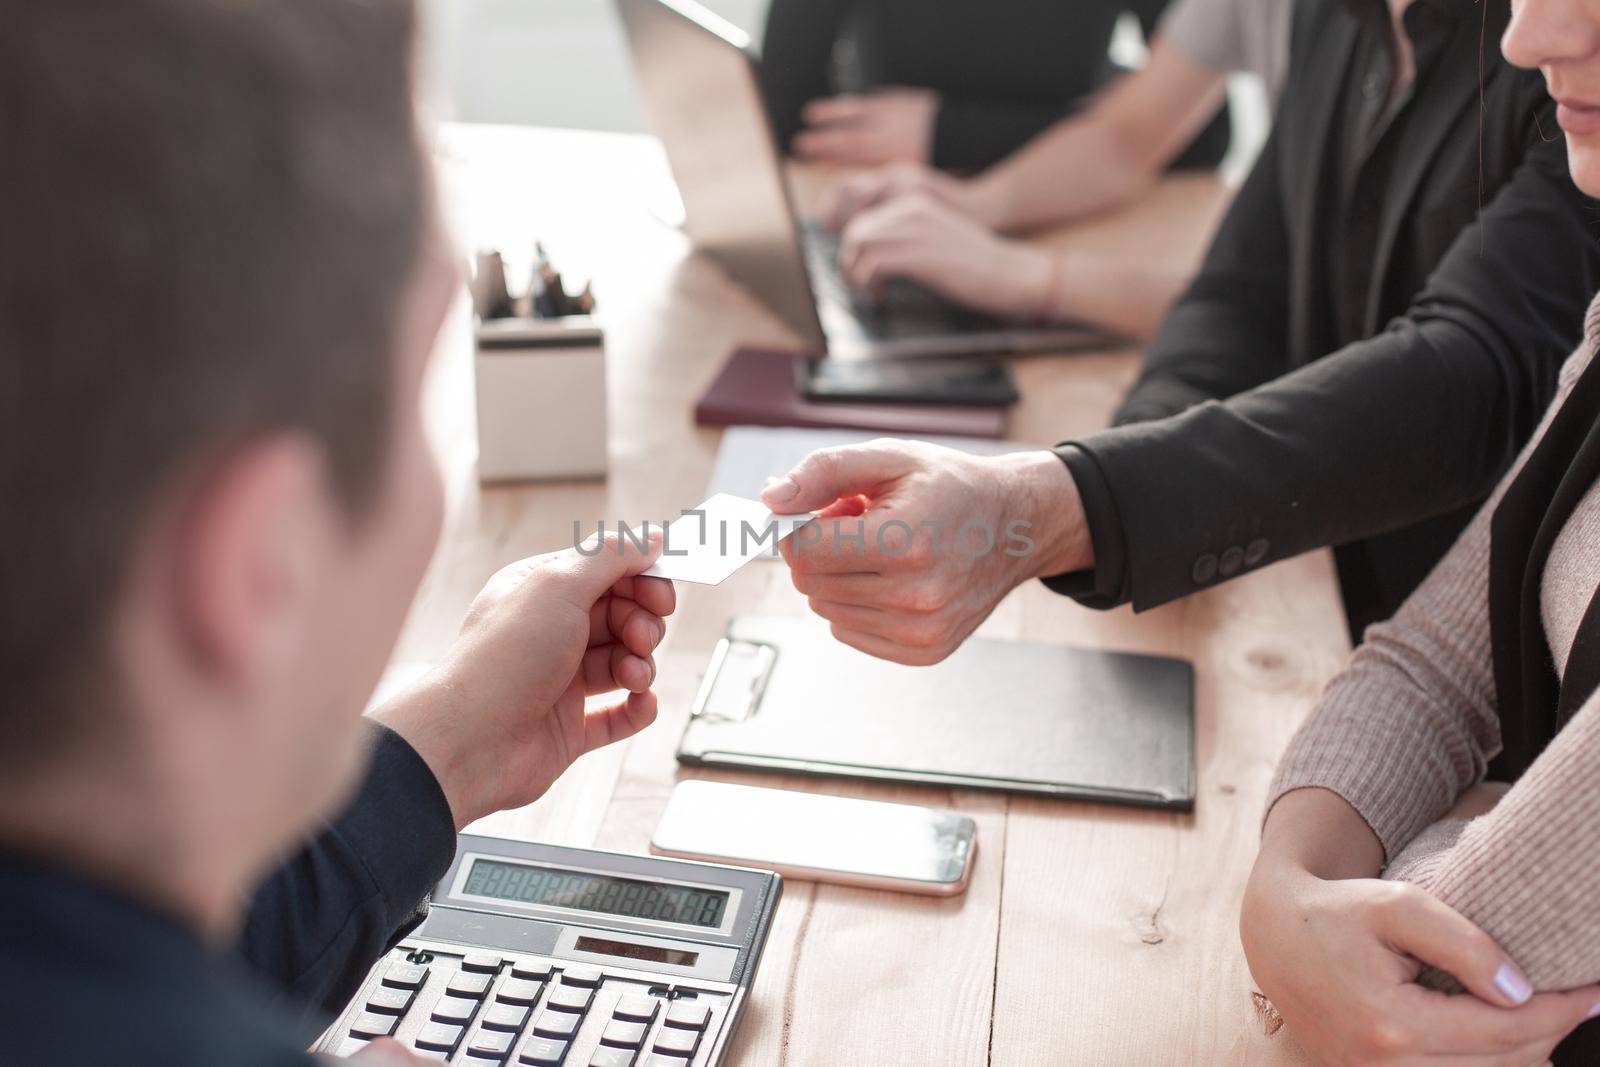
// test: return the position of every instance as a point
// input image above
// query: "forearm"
(1080, 166)
(1130, 296)
(1525, 872)
(1318, 832)
(1126, 296)
(1107, 154)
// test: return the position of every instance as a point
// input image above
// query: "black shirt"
(1004, 69)
(89, 977)
(1374, 332)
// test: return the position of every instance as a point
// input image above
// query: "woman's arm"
(1339, 954)
(1527, 872)
(1097, 159)
(1109, 153)
(1410, 724)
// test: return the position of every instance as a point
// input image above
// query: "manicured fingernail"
(781, 489)
(1510, 981)
(1593, 1011)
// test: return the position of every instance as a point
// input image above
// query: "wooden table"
(1090, 934)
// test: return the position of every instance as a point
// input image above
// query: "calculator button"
(454, 1009)
(623, 1034)
(350, 1046)
(612, 1057)
(390, 1001)
(688, 1015)
(640, 1009)
(469, 985)
(518, 991)
(405, 976)
(676, 1042)
(481, 1061)
(491, 1043)
(543, 1052)
(530, 969)
(431, 1054)
(506, 1017)
(588, 976)
(557, 1024)
(658, 1060)
(371, 1024)
(480, 961)
(569, 998)
(442, 1036)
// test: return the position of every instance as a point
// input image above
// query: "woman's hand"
(505, 713)
(1339, 957)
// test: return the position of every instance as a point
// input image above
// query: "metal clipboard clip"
(735, 682)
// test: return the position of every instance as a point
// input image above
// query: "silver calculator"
(540, 956)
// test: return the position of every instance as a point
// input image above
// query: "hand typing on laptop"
(924, 238)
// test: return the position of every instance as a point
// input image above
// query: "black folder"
(781, 694)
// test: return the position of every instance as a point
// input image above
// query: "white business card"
(707, 544)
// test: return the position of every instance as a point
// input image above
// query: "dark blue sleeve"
(327, 913)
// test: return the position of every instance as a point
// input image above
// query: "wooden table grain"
(1091, 934)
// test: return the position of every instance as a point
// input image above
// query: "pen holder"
(541, 387)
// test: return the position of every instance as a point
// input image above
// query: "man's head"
(220, 275)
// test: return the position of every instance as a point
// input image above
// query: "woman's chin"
(1583, 158)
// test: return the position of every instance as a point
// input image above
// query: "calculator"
(542, 956)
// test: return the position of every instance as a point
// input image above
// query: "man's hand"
(504, 714)
(885, 126)
(922, 237)
(916, 543)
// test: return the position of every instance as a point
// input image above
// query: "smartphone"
(928, 380)
(819, 838)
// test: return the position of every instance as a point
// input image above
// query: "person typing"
(1372, 337)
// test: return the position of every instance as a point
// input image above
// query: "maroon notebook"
(756, 388)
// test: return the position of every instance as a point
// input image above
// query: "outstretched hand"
(915, 544)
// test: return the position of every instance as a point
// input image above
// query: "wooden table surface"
(1091, 934)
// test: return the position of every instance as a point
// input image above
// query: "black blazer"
(1364, 350)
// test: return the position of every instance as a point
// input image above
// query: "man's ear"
(251, 542)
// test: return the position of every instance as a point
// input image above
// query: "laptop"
(699, 81)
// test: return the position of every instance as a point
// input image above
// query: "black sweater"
(89, 977)
(1004, 69)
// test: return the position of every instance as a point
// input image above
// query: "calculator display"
(557, 887)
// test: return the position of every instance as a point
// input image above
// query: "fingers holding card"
(707, 544)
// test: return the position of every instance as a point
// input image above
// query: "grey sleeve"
(1233, 36)
(1208, 32)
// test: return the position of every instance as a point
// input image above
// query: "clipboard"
(780, 694)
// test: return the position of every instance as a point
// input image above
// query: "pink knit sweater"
(1411, 723)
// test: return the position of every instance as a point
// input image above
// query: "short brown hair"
(210, 211)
